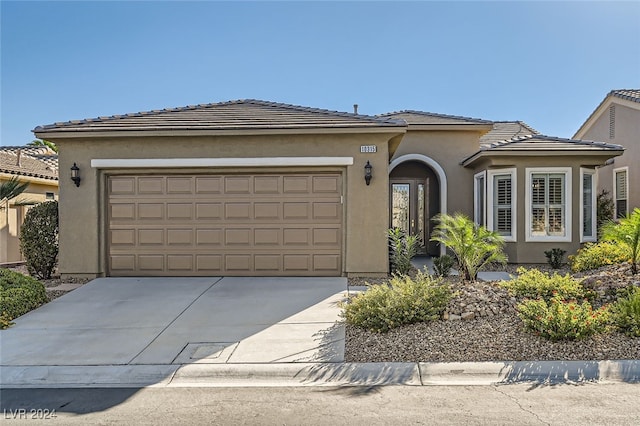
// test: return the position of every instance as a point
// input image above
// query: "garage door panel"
(266, 185)
(207, 237)
(208, 185)
(208, 211)
(150, 211)
(153, 262)
(236, 211)
(150, 185)
(179, 225)
(237, 185)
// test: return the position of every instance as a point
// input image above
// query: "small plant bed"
(52, 285)
(491, 321)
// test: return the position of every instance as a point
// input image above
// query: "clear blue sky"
(546, 63)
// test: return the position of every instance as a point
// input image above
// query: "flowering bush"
(404, 301)
(534, 284)
(563, 319)
(593, 256)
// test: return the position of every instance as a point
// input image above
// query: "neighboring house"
(39, 167)
(617, 120)
(260, 188)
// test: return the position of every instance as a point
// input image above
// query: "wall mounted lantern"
(75, 174)
(367, 172)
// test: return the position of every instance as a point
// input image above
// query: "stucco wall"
(11, 218)
(82, 211)
(627, 134)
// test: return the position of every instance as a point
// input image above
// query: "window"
(548, 204)
(588, 231)
(621, 191)
(480, 199)
(501, 202)
(50, 196)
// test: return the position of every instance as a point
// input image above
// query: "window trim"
(624, 169)
(594, 202)
(476, 198)
(568, 201)
(514, 201)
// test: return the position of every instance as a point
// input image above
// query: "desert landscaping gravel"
(495, 337)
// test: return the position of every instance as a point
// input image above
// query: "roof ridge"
(362, 117)
(435, 114)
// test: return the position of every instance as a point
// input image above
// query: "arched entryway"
(418, 192)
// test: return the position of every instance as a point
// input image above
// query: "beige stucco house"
(260, 188)
(38, 167)
(617, 120)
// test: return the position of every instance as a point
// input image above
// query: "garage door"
(186, 225)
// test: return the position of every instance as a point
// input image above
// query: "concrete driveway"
(214, 320)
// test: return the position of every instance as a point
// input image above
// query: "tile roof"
(542, 143)
(423, 117)
(506, 130)
(232, 115)
(632, 95)
(38, 162)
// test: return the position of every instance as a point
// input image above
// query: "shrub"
(19, 294)
(39, 239)
(534, 284)
(563, 320)
(595, 255)
(403, 249)
(404, 301)
(626, 313)
(442, 265)
(473, 246)
(605, 209)
(554, 257)
(627, 234)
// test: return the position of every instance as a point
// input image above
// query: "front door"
(409, 207)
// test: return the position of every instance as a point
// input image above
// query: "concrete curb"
(322, 374)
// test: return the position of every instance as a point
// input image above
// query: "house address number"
(368, 148)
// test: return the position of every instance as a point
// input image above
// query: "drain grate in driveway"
(206, 353)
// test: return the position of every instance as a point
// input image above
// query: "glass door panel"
(421, 219)
(400, 206)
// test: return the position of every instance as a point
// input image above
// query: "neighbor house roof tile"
(38, 162)
(233, 115)
(627, 94)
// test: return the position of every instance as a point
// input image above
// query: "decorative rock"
(455, 317)
(468, 315)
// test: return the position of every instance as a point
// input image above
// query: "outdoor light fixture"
(367, 172)
(75, 174)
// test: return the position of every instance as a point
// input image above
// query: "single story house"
(251, 187)
(37, 166)
(617, 120)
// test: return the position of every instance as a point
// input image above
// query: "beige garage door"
(185, 225)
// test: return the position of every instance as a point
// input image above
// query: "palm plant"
(473, 246)
(12, 189)
(626, 233)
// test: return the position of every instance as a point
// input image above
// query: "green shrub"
(554, 257)
(473, 246)
(534, 284)
(442, 265)
(39, 239)
(595, 255)
(403, 249)
(404, 301)
(563, 320)
(627, 234)
(19, 294)
(626, 313)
